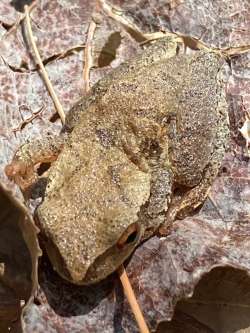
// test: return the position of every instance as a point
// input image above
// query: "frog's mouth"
(111, 259)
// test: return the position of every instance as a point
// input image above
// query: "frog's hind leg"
(29, 156)
(184, 204)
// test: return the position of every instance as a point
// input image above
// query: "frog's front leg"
(29, 156)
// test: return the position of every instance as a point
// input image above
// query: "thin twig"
(132, 300)
(28, 120)
(118, 16)
(38, 59)
(88, 61)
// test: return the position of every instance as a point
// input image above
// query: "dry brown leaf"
(19, 251)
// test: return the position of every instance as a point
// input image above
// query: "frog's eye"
(129, 236)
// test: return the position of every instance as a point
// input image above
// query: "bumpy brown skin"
(143, 147)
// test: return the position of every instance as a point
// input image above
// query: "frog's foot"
(23, 168)
(21, 173)
(172, 211)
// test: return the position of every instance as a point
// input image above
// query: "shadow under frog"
(140, 150)
(105, 298)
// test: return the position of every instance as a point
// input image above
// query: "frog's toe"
(23, 175)
(14, 169)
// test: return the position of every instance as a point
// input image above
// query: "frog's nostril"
(129, 236)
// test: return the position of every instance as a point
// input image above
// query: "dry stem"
(88, 62)
(118, 16)
(38, 59)
(28, 120)
(132, 300)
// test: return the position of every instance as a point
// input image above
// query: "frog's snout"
(107, 262)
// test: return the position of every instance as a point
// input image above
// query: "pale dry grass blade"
(128, 291)
(88, 61)
(38, 59)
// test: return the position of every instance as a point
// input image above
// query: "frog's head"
(91, 225)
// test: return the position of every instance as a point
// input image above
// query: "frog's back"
(181, 97)
(162, 88)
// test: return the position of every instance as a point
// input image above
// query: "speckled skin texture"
(143, 148)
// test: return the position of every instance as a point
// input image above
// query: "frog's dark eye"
(43, 167)
(129, 236)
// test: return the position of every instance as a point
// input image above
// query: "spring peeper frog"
(142, 148)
